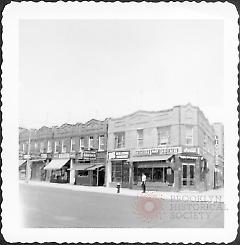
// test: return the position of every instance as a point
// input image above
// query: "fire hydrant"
(118, 187)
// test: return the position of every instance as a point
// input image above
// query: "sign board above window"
(118, 155)
(158, 151)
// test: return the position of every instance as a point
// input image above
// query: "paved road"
(53, 207)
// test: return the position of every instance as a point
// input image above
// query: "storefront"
(22, 169)
(120, 168)
(86, 169)
(59, 168)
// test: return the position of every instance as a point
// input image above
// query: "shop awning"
(152, 165)
(81, 166)
(56, 164)
(21, 162)
(37, 160)
(95, 167)
(151, 158)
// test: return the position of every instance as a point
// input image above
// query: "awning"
(152, 165)
(95, 167)
(37, 160)
(81, 166)
(56, 164)
(21, 162)
(151, 158)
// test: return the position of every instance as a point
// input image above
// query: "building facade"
(219, 154)
(73, 154)
(174, 148)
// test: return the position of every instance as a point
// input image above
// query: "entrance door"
(125, 174)
(188, 175)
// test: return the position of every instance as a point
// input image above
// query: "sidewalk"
(206, 196)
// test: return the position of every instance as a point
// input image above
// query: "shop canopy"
(56, 164)
(151, 158)
(95, 167)
(81, 166)
(21, 162)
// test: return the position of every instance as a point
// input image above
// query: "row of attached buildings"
(176, 149)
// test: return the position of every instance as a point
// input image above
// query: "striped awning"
(21, 162)
(56, 164)
(95, 167)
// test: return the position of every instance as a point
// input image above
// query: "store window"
(73, 145)
(82, 173)
(90, 142)
(119, 141)
(189, 135)
(81, 143)
(163, 136)
(101, 143)
(49, 146)
(35, 146)
(140, 138)
(117, 169)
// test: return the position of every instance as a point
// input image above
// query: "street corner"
(148, 206)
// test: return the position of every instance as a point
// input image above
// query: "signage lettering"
(118, 155)
(64, 155)
(158, 151)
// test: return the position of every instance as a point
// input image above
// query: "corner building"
(174, 148)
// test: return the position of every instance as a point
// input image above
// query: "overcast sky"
(75, 70)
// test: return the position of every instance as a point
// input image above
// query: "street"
(55, 207)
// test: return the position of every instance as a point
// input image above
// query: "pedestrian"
(143, 182)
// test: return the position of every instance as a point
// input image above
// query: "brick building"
(69, 153)
(219, 154)
(174, 148)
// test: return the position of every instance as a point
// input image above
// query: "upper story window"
(81, 143)
(35, 145)
(205, 140)
(90, 142)
(57, 147)
(189, 135)
(73, 145)
(101, 143)
(119, 141)
(23, 147)
(64, 146)
(216, 140)
(140, 138)
(42, 147)
(163, 136)
(49, 146)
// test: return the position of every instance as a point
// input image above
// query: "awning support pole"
(97, 175)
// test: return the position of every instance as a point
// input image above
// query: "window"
(90, 143)
(163, 136)
(119, 140)
(49, 146)
(35, 146)
(204, 140)
(64, 146)
(57, 147)
(216, 140)
(101, 143)
(189, 135)
(73, 145)
(140, 138)
(23, 147)
(117, 169)
(81, 143)
(42, 147)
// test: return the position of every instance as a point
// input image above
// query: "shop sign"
(158, 151)
(89, 154)
(55, 155)
(118, 155)
(191, 150)
(188, 157)
(72, 155)
(64, 155)
(43, 155)
(27, 156)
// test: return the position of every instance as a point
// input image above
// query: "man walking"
(143, 182)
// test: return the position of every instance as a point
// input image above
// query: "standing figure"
(143, 182)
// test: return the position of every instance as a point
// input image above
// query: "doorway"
(188, 175)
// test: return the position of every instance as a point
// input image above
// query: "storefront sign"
(191, 150)
(43, 155)
(64, 155)
(158, 151)
(89, 154)
(55, 155)
(118, 155)
(188, 157)
(27, 156)
(72, 155)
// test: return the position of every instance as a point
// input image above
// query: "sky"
(74, 70)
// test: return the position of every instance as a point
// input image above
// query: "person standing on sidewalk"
(143, 182)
